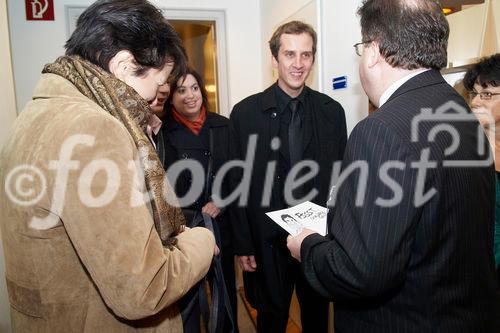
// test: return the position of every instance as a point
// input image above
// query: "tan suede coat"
(98, 265)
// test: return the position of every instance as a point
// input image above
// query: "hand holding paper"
(294, 243)
(297, 218)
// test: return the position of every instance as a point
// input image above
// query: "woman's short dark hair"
(411, 33)
(291, 28)
(174, 86)
(486, 73)
(108, 26)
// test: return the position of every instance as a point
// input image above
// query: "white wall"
(46, 41)
(7, 95)
(466, 40)
(7, 117)
(340, 31)
(34, 43)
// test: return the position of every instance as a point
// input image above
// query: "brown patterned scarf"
(123, 103)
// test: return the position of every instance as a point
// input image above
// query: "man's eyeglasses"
(484, 95)
(357, 47)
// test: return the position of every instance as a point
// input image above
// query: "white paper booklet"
(305, 215)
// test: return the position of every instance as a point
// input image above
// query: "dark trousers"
(271, 290)
(313, 313)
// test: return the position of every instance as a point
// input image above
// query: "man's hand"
(294, 243)
(247, 263)
(211, 209)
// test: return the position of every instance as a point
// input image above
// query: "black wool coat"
(174, 143)
(407, 267)
(324, 143)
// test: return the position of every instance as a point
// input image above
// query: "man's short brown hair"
(291, 28)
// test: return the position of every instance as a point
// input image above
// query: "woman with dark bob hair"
(190, 133)
(482, 81)
(98, 242)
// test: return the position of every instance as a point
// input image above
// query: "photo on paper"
(305, 215)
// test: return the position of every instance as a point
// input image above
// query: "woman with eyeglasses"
(482, 82)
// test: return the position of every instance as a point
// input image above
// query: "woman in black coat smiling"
(192, 134)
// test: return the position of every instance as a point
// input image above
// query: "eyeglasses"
(484, 95)
(358, 49)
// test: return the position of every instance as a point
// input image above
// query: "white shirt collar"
(153, 127)
(395, 86)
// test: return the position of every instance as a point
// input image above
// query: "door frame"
(219, 17)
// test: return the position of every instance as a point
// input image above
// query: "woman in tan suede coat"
(94, 241)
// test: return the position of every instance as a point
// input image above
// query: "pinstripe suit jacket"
(410, 267)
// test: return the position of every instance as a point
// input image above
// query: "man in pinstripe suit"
(416, 254)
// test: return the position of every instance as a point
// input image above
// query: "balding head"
(415, 4)
(411, 34)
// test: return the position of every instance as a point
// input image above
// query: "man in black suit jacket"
(317, 135)
(410, 249)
